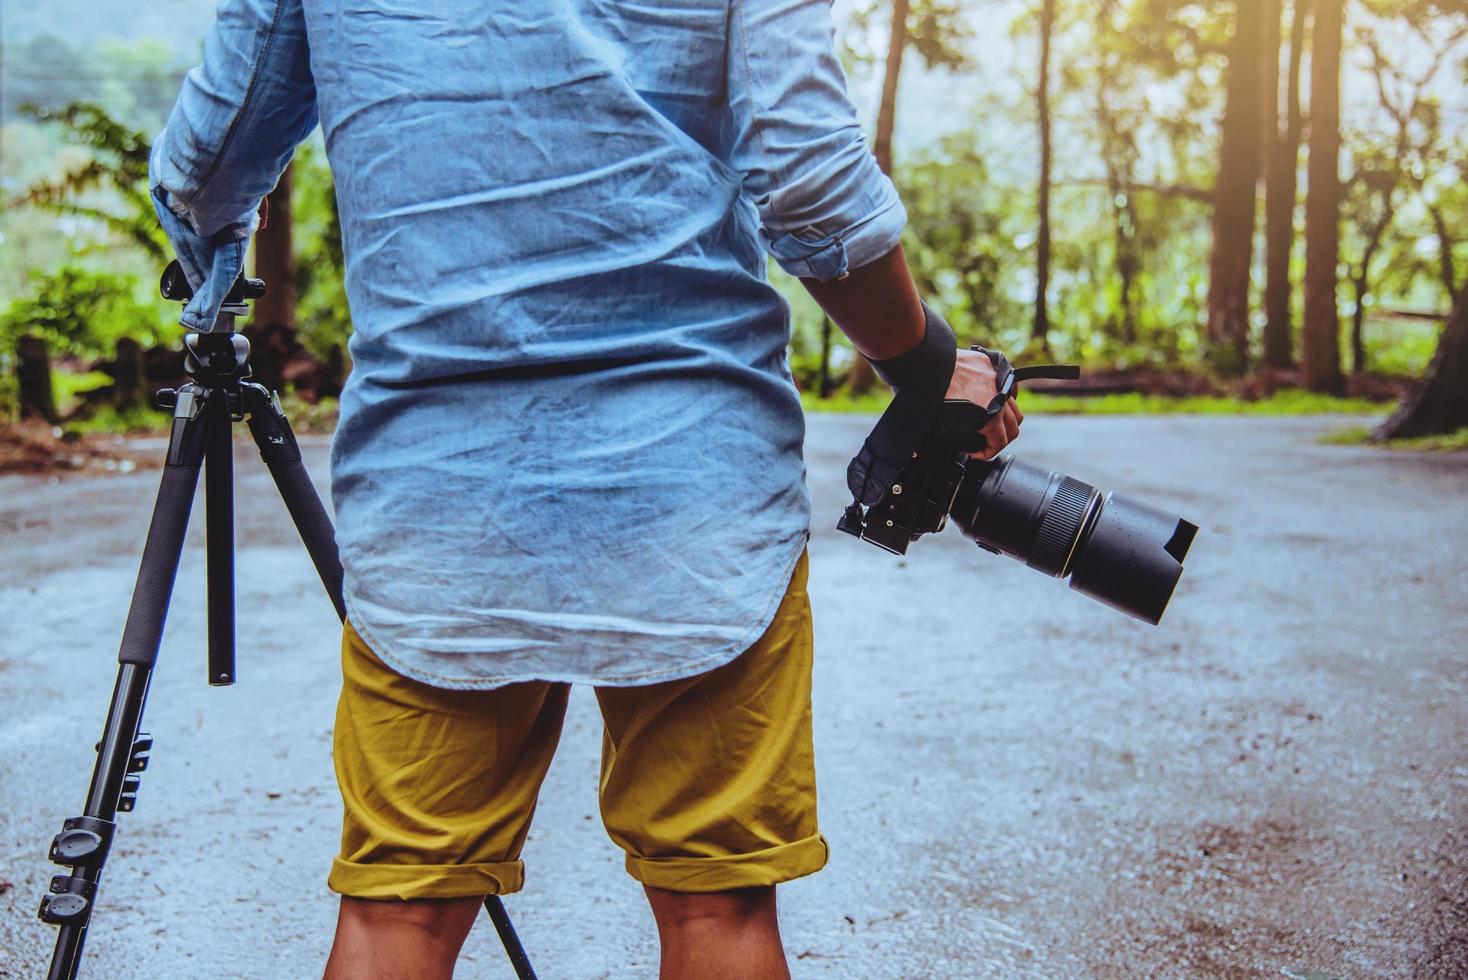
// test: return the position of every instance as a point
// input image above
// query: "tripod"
(204, 410)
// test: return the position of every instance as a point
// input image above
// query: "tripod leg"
(278, 448)
(272, 433)
(519, 960)
(84, 841)
(219, 522)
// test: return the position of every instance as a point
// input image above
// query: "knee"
(433, 916)
(677, 909)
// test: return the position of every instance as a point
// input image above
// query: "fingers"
(1000, 431)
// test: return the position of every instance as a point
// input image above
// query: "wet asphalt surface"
(1015, 781)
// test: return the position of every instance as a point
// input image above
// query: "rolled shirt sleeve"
(825, 207)
(239, 117)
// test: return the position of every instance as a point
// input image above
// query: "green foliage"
(310, 417)
(110, 186)
(962, 240)
(323, 320)
(82, 312)
(79, 312)
(136, 420)
(1360, 435)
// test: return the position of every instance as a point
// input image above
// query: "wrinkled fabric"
(570, 446)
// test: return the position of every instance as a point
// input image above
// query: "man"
(570, 447)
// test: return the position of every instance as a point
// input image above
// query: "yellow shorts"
(708, 783)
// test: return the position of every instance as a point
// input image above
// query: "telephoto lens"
(1115, 549)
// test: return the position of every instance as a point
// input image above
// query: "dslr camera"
(1116, 549)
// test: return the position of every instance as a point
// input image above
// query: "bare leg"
(395, 940)
(733, 935)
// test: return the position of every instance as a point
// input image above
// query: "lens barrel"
(1117, 550)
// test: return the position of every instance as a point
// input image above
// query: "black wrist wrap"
(920, 377)
(927, 367)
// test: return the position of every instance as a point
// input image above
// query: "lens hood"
(1133, 557)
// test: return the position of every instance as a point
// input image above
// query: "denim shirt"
(570, 445)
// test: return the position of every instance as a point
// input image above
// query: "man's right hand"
(974, 380)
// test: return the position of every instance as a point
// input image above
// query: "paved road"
(1015, 780)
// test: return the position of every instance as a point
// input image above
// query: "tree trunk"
(33, 378)
(1124, 227)
(824, 383)
(1359, 288)
(1320, 340)
(1235, 194)
(127, 375)
(1270, 44)
(1361, 279)
(1446, 273)
(1040, 330)
(887, 110)
(863, 378)
(272, 330)
(1279, 207)
(1440, 402)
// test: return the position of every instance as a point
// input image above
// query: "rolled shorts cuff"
(716, 874)
(409, 881)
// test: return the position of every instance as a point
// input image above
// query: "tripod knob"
(75, 846)
(65, 909)
(165, 398)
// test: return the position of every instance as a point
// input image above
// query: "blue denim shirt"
(570, 447)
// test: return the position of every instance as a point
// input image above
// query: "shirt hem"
(726, 654)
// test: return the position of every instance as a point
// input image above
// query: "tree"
(1235, 193)
(1279, 201)
(1447, 273)
(1446, 265)
(1320, 336)
(272, 330)
(1040, 330)
(887, 108)
(1440, 402)
(1385, 163)
(1117, 123)
(936, 31)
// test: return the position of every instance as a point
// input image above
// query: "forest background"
(1256, 205)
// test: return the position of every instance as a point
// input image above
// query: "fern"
(118, 165)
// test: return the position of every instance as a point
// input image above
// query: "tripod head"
(173, 284)
(220, 356)
(217, 358)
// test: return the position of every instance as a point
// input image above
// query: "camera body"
(916, 504)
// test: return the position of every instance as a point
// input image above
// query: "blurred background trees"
(1206, 196)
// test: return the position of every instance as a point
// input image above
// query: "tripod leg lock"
(83, 842)
(268, 424)
(69, 902)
